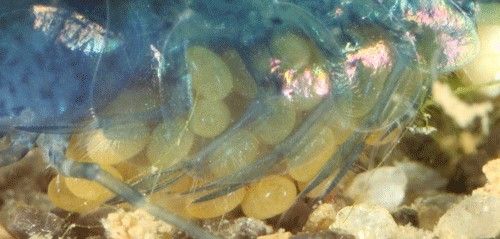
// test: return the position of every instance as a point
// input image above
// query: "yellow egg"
(172, 202)
(90, 190)
(134, 168)
(276, 123)
(312, 82)
(135, 100)
(315, 150)
(120, 138)
(341, 132)
(317, 56)
(216, 207)
(116, 143)
(318, 190)
(183, 184)
(381, 137)
(210, 118)
(306, 88)
(210, 76)
(269, 197)
(243, 82)
(61, 197)
(292, 49)
(233, 154)
(77, 149)
(304, 104)
(171, 141)
(237, 104)
(260, 61)
(342, 127)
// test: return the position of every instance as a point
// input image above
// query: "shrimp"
(189, 109)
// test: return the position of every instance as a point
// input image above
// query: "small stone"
(41, 236)
(365, 221)
(281, 234)
(28, 221)
(477, 216)
(322, 235)
(410, 232)
(134, 225)
(241, 228)
(404, 216)
(431, 208)
(321, 218)
(384, 186)
(251, 228)
(492, 172)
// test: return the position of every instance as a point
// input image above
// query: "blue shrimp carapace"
(190, 109)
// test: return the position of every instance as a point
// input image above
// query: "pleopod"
(190, 109)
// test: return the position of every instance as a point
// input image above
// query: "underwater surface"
(233, 119)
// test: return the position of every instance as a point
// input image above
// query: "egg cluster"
(223, 89)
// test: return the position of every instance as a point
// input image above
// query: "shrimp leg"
(342, 160)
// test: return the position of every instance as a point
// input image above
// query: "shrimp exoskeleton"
(191, 109)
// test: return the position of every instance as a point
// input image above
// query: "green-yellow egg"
(210, 76)
(170, 142)
(269, 197)
(210, 118)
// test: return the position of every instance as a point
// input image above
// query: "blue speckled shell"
(60, 81)
(58, 65)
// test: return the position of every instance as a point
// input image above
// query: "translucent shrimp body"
(192, 109)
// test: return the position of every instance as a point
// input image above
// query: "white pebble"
(321, 218)
(365, 221)
(477, 216)
(384, 186)
(410, 232)
(492, 172)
